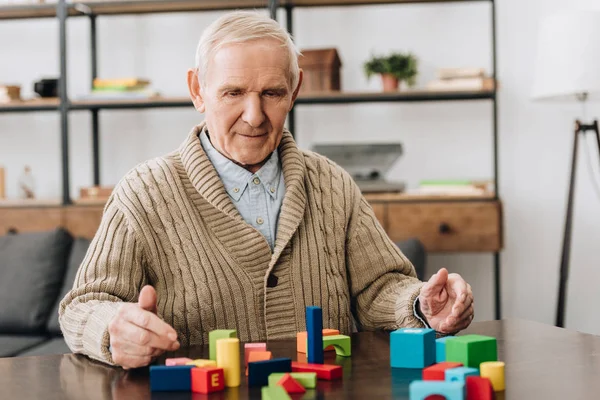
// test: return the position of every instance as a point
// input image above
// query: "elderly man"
(241, 229)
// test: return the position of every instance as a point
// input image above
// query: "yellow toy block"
(228, 358)
(202, 363)
(301, 339)
(494, 371)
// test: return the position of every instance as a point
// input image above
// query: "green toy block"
(341, 343)
(274, 393)
(306, 379)
(213, 336)
(472, 350)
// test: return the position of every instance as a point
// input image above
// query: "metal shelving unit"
(93, 9)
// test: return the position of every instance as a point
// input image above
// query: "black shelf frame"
(63, 10)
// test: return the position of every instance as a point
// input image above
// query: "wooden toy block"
(208, 380)
(341, 343)
(306, 379)
(291, 385)
(420, 390)
(228, 358)
(412, 348)
(213, 336)
(258, 356)
(440, 348)
(170, 362)
(274, 393)
(437, 372)
(494, 371)
(202, 363)
(259, 371)
(324, 371)
(301, 339)
(314, 329)
(250, 347)
(460, 374)
(175, 378)
(479, 388)
(471, 350)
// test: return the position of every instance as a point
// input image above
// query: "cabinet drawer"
(447, 226)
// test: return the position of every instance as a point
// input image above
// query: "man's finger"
(144, 337)
(147, 299)
(151, 322)
(463, 303)
(458, 285)
(435, 283)
(134, 349)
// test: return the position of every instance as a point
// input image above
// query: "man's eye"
(271, 93)
(233, 94)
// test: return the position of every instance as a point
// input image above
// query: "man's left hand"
(446, 301)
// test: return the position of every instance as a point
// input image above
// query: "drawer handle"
(444, 228)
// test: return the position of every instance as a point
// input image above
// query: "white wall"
(442, 140)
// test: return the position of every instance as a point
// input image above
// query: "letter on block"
(170, 362)
(440, 348)
(479, 388)
(259, 371)
(228, 358)
(420, 390)
(341, 343)
(213, 336)
(412, 348)
(177, 378)
(471, 350)
(207, 380)
(494, 371)
(306, 379)
(314, 329)
(202, 363)
(274, 393)
(250, 347)
(301, 339)
(291, 385)
(460, 374)
(324, 371)
(437, 372)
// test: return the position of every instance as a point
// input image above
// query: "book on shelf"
(461, 84)
(454, 187)
(120, 89)
(460, 73)
(120, 82)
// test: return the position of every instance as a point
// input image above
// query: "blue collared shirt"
(258, 197)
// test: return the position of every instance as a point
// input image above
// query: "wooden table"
(542, 362)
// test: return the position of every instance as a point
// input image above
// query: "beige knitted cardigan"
(170, 223)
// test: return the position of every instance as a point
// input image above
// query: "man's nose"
(253, 110)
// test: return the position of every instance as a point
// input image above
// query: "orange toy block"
(258, 356)
(301, 339)
(207, 380)
(291, 385)
(250, 347)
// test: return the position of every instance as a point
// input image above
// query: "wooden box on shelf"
(321, 70)
(94, 194)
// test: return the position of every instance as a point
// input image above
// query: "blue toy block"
(460, 374)
(412, 348)
(171, 379)
(259, 371)
(314, 329)
(440, 348)
(420, 390)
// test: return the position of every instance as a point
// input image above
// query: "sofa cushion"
(78, 251)
(11, 345)
(47, 348)
(32, 267)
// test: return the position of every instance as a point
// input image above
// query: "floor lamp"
(568, 69)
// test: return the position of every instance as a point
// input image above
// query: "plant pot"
(390, 83)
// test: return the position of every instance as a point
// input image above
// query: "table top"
(542, 362)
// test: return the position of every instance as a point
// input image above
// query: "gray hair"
(240, 27)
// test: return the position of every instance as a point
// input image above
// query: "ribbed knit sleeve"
(112, 272)
(383, 282)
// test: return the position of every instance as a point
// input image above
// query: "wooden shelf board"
(23, 203)
(400, 96)
(342, 3)
(155, 102)
(31, 105)
(413, 197)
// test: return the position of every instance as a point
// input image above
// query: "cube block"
(472, 350)
(250, 347)
(412, 348)
(420, 390)
(170, 379)
(479, 388)
(440, 348)
(207, 380)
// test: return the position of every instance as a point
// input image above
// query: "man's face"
(246, 98)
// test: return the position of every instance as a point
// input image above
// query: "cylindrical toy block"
(228, 358)
(494, 371)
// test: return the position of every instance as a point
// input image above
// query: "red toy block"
(291, 385)
(208, 380)
(324, 371)
(479, 388)
(437, 372)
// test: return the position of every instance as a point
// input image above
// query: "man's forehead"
(264, 77)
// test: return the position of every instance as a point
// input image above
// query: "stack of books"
(454, 187)
(461, 79)
(120, 89)
(9, 93)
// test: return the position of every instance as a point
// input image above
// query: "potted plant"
(394, 68)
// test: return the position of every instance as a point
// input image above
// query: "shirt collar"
(235, 178)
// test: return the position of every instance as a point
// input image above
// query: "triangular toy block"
(323, 371)
(437, 372)
(472, 350)
(208, 380)
(341, 343)
(177, 378)
(274, 393)
(291, 385)
(301, 339)
(259, 371)
(412, 348)
(479, 388)
(213, 336)
(306, 379)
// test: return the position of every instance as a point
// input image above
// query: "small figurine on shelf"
(26, 184)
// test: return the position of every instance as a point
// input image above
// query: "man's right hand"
(137, 334)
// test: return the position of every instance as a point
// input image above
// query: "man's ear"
(193, 82)
(295, 95)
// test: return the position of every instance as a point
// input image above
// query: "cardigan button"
(272, 281)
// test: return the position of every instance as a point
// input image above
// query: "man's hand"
(446, 301)
(137, 334)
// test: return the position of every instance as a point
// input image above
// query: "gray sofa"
(36, 272)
